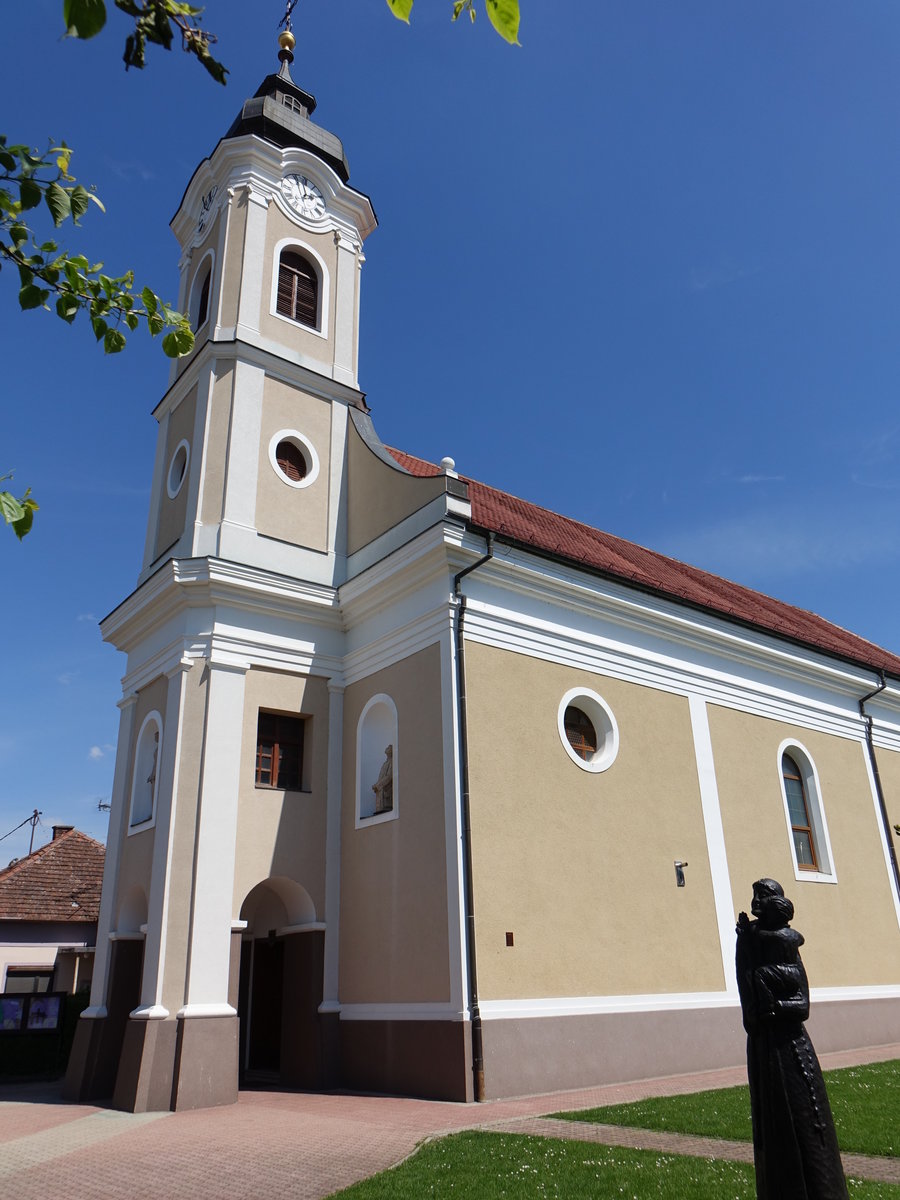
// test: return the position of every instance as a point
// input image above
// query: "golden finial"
(286, 40)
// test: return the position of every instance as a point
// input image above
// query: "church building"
(421, 788)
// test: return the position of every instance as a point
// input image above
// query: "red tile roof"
(544, 531)
(59, 882)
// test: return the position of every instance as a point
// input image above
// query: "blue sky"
(643, 270)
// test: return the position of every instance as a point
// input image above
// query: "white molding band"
(401, 1012)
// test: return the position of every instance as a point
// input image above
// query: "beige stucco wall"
(889, 770)
(232, 257)
(172, 513)
(212, 500)
(136, 851)
(297, 515)
(283, 833)
(850, 927)
(579, 866)
(394, 941)
(280, 329)
(379, 495)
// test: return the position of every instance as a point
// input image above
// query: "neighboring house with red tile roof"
(419, 786)
(49, 904)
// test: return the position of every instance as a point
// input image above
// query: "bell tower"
(226, 795)
(252, 431)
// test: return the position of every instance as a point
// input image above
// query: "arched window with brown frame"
(801, 817)
(298, 289)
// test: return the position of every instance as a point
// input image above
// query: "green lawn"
(865, 1101)
(491, 1166)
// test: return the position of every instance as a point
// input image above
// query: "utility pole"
(33, 819)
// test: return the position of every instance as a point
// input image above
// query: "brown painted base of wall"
(543, 1054)
(206, 1063)
(146, 1068)
(431, 1059)
(91, 1073)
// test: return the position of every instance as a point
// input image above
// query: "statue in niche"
(151, 778)
(383, 787)
(795, 1148)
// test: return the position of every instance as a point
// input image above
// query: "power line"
(32, 820)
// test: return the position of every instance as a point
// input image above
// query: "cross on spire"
(285, 22)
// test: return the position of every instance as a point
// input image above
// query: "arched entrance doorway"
(282, 959)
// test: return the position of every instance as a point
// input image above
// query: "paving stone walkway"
(304, 1146)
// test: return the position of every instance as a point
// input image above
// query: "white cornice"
(180, 584)
(250, 162)
(275, 365)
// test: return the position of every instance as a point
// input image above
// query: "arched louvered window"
(801, 820)
(298, 289)
(203, 307)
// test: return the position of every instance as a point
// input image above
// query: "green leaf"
(67, 307)
(59, 203)
(113, 341)
(132, 320)
(99, 326)
(11, 508)
(150, 301)
(80, 199)
(31, 296)
(84, 18)
(178, 343)
(7, 162)
(504, 16)
(29, 194)
(19, 235)
(401, 9)
(23, 524)
(155, 323)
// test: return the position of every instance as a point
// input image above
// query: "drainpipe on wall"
(474, 1010)
(879, 791)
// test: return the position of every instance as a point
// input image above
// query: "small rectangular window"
(279, 751)
(28, 979)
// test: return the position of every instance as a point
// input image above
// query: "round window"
(588, 730)
(293, 458)
(177, 469)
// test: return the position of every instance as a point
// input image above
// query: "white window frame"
(604, 722)
(377, 818)
(318, 262)
(171, 491)
(306, 448)
(821, 840)
(150, 822)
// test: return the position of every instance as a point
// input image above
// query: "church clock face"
(303, 196)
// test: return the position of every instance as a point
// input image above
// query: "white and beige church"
(421, 788)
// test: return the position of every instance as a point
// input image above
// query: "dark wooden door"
(266, 986)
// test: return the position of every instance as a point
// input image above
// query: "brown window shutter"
(298, 289)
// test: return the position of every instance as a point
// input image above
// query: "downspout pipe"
(474, 1010)
(876, 775)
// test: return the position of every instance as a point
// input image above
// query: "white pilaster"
(334, 790)
(159, 466)
(252, 268)
(345, 310)
(453, 833)
(117, 814)
(214, 852)
(715, 838)
(151, 1006)
(242, 468)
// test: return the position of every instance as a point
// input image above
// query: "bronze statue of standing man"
(794, 1144)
